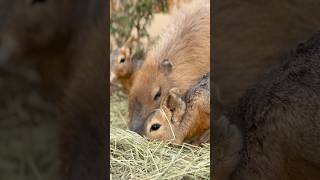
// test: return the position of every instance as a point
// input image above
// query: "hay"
(133, 157)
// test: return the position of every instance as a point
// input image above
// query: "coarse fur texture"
(179, 59)
(277, 122)
(251, 35)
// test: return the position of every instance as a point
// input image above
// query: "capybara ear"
(176, 105)
(172, 103)
(166, 66)
(163, 101)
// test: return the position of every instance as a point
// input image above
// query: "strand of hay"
(133, 157)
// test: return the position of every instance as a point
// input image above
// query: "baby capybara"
(182, 118)
(274, 133)
(179, 59)
(251, 35)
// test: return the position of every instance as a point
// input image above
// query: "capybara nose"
(136, 126)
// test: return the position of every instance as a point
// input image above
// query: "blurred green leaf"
(132, 15)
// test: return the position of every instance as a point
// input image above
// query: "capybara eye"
(158, 95)
(155, 127)
(122, 60)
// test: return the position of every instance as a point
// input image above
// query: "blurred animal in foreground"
(251, 36)
(83, 111)
(274, 131)
(46, 33)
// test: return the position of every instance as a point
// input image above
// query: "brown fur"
(58, 35)
(125, 71)
(251, 35)
(188, 116)
(186, 44)
(46, 32)
(83, 111)
(83, 106)
(274, 131)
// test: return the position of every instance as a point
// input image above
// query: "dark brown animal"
(66, 38)
(179, 59)
(274, 132)
(182, 118)
(46, 32)
(83, 111)
(250, 36)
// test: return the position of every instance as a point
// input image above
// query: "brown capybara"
(179, 59)
(45, 32)
(123, 64)
(251, 35)
(123, 67)
(182, 118)
(274, 132)
(82, 138)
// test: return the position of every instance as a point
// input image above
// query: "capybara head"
(163, 124)
(179, 58)
(157, 126)
(145, 95)
(121, 65)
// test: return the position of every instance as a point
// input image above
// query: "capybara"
(45, 32)
(179, 59)
(181, 118)
(123, 67)
(124, 64)
(274, 132)
(251, 35)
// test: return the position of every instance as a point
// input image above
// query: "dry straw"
(133, 157)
